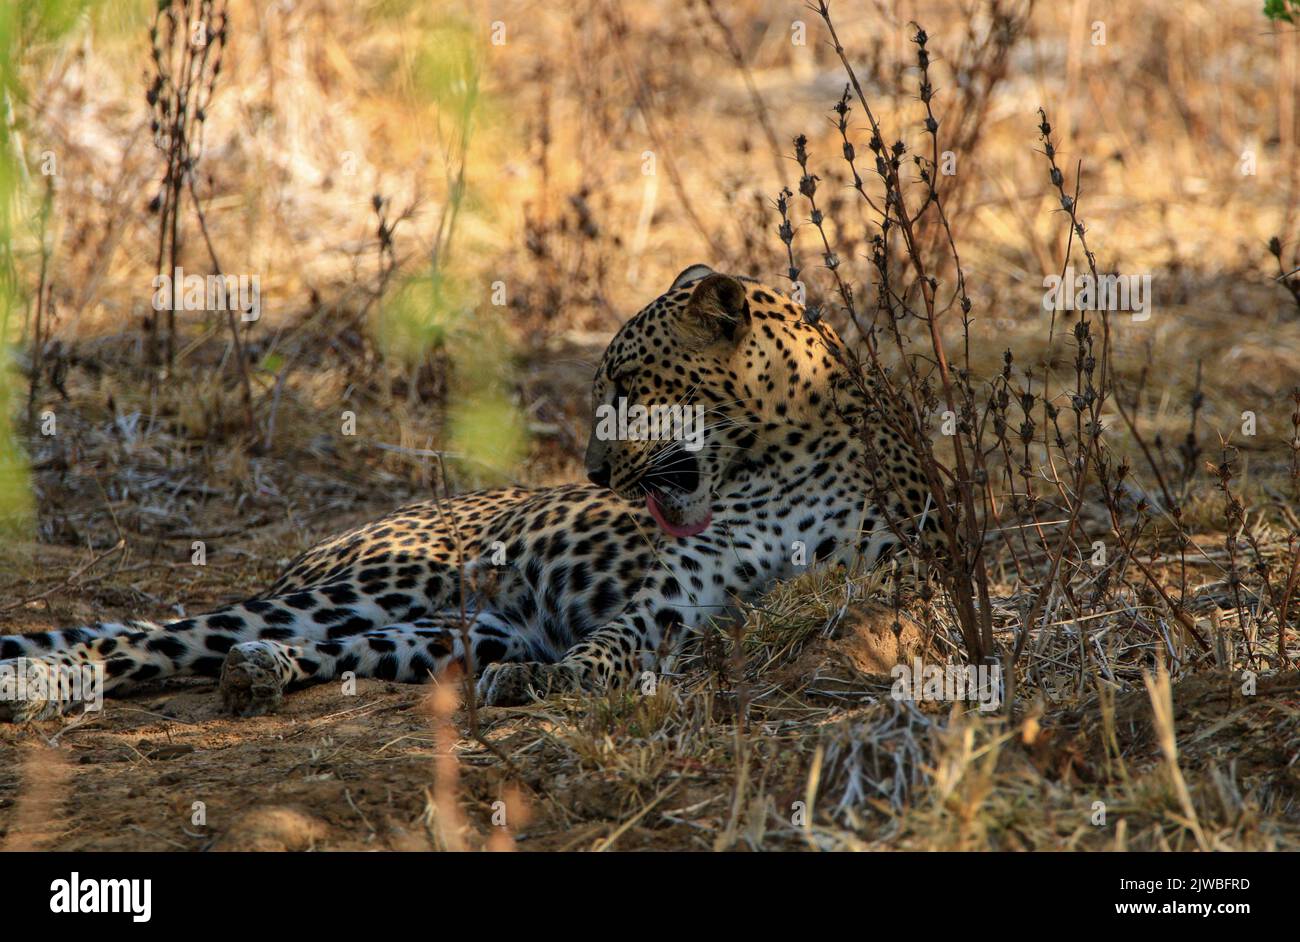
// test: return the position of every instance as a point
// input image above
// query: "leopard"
(763, 473)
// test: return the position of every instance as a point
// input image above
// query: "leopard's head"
(709, 380)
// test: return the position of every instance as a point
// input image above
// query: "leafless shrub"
(1026, 464)
(188, 39)
(1290, 279)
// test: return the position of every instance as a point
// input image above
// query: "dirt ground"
(328, 772)
(166, 770)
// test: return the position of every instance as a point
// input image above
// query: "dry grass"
(784, 736)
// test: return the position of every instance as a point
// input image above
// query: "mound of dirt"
(875, 639)
(866, 644)
(273, 827)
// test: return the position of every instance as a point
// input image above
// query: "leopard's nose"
(600, 476)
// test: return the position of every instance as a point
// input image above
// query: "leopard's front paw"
(509, 684)
(251, 682)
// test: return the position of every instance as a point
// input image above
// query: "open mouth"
(670, 496)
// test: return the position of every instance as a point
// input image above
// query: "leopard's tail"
(44, 643)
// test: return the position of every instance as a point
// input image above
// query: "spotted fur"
(576, 587)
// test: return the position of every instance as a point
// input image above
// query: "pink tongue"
(673, 529)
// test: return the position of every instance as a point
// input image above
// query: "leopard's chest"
(779, 531)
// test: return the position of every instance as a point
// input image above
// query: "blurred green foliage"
(444, 310)
(28, 29)
(22, 26)
(1287, 10)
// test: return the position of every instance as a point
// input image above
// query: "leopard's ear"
(694, 273)
(718, 310)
